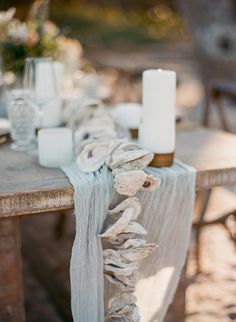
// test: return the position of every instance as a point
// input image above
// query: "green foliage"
(35, 37)
(13, 56)
(109, 24)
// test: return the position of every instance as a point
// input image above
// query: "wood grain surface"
(27, 188)
(11, 291)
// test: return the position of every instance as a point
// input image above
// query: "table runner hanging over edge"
(166, 215)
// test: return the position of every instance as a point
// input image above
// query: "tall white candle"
(50, 114)
(55, 147)
(47, 94)
(45, 82)
(157, 130)
(59, 70)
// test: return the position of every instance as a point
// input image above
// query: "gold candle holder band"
(162, 160)
(134, 133)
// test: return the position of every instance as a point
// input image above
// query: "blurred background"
(111, 23)
(118, 39)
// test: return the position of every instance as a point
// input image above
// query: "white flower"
(6, 16)
(18, 31)
(50, 28)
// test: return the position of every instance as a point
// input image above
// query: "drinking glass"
(22, 116)
(41, 88)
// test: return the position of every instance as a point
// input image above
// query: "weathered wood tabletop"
(27, 188)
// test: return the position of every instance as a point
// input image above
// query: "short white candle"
(157, 130)
(128, 114)
(55, 147)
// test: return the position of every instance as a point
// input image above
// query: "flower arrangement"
(37, 36)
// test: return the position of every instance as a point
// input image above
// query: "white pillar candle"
(50, 114)
(59, 70)
(45, 82)
(128, 114)
(47, 93)
(55, 147)
(157, 130)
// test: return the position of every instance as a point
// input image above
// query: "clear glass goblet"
(22, 116)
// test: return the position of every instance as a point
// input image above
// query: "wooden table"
(215, 92)
(26, 188)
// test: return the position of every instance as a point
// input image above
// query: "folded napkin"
(166, 215)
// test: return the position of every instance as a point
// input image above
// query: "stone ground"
(211, 295)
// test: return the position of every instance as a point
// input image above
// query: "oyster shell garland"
(97, 143)
(121, 263)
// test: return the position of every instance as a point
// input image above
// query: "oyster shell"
(125, 283)
(114, 146)
(123, 308)
(134, 242)
(121, 146)
(120, 301)
(113, 257)
(93, 156)
(128, 156)
(131, 202)
(131, 160)
(129, 146)
(134, 317)
(79, 147)
(126, 255)
(120, 239)
(84, 113)
(126, 146)
(134, 254)
(117, 171)
(93, 132)
(134, 228)
(129, 183)
(116, 235)
(113, 270)
(120, 225)
(128, 313)
(151, 183)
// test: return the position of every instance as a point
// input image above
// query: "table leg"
(207, 107)
(201, 205)
(221, 111)
(176, 311)
(11, 288)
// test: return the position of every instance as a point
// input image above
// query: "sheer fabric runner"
(167, 217)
